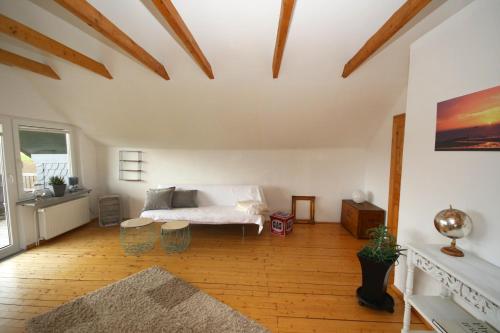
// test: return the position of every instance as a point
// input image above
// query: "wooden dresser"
(358, 218)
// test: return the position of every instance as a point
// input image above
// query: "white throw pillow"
(252, 207)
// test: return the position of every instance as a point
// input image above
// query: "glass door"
(9, 240)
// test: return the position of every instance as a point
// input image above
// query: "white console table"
(469, 280)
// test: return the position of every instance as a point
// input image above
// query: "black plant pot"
(373, 292)
(59, 190)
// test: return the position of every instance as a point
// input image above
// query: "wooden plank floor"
(303, 283)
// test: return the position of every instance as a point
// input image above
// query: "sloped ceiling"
(308, 106)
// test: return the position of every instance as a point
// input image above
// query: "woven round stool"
(175, 236)
(137, 235)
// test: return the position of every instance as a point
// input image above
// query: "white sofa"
(216, 205)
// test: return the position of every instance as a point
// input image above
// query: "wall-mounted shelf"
(130, 168)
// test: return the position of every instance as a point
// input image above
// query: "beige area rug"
(150, 301)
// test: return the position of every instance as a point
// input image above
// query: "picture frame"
(312, 206)
(470, 122)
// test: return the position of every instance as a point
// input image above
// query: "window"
(44, 152)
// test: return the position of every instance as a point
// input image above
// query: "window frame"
(49, 126)
(9, 172)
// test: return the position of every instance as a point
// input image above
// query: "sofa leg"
(243, 230)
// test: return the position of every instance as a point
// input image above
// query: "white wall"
(309, 106)
(90, 175)
(378, 157)
(329, 174)
(19, 99)
(459, 57)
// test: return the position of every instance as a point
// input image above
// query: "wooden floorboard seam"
(305, 282)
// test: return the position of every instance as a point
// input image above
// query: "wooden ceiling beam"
(12, 59)
(174, 20)
(284, 24)
(398, 20)
(24, 33)
(91, 16)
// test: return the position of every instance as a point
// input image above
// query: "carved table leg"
(408, 292)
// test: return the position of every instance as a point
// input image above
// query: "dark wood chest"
(358, 218)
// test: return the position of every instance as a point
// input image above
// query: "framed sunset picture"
(469, 122)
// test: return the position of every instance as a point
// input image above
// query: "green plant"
(56, 180)
(382, 246)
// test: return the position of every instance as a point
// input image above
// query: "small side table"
(110, 210)
(175, 236)
(137, 235)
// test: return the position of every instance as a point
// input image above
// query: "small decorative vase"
(358, 196)
(59, 190)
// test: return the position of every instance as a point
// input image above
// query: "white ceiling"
(308, 106)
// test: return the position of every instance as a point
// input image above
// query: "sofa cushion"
(159, 199)
(222, 195)
(184, 199)
(205, 215)
(252, 207)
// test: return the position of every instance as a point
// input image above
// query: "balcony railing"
(29, 181)
(43, 173)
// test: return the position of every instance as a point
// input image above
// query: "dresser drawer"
(368, 220)
(111, 206)
(348, 218)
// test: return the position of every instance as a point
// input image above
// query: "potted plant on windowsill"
(58, 186)
(377, 259)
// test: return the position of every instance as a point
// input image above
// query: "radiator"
(58, 219)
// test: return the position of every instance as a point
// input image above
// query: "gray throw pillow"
(159, 199)
(184, 199)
